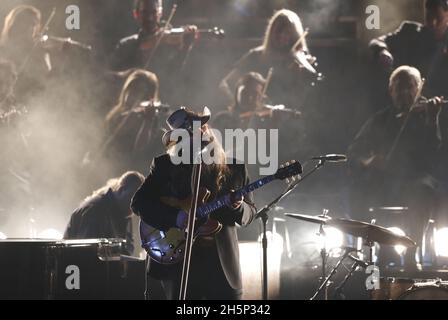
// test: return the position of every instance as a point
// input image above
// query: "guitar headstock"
(289, 170)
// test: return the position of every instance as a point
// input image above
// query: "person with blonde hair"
(285, 49)
(22, 24)
(41, 60)
(215, 268)
(106, 213)
(133, 123)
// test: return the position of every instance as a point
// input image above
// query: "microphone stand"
(263, 215)
(195, 184)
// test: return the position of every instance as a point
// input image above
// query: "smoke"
(320, 14)
(45, 176)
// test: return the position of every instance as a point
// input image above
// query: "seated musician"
(107, 213)
(284, 49)
(37, 55)
(423, 46)
(133, 123)
(215, 269)
(393, 157)
(248, 103)
(165, 57)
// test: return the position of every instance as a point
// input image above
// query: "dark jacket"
(100, 217)
(414, 156)
(414, 44)
(167, 179)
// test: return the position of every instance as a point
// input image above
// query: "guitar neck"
(206, 209)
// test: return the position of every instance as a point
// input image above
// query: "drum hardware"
(326, 282)
(434, 289)
(357, 263)
(370, 232)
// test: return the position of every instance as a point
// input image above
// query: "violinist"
(37, 56)
(248, 103)
(393, 157)
(134, 123)
(423, 46)
(19, 34)
(285, 49)
(154, 47)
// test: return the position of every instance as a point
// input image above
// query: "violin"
(302, 60)
(180, 37)
(58, 43)
(148, 106)
(268, 110)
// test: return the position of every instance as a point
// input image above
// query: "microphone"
(331, 158)
(358, 261)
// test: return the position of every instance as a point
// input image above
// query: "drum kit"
(382, 288)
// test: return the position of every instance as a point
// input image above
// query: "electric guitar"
(168, 247)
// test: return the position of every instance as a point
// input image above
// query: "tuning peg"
(287, 180)
(293, 161)
(282, 166)
(287, 164)
(293, 179)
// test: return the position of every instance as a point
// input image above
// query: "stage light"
(441, 242)
(398, 249)
(50, 234)
(3, 236)
(332, 241)
(251, 255)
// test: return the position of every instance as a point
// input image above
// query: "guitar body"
(168, 247)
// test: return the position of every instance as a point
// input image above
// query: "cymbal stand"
(325, 282)
(339, 289)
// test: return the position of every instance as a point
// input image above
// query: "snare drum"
(392, 288)
(426, 291)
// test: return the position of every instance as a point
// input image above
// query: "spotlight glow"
(333, 239)
(399, 249)
(3, 236)
(441, 242)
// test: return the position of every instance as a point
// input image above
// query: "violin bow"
(403, 126)
(268, 81)
(159, 39)
(300, 40)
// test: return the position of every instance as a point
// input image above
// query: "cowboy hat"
(183, 118)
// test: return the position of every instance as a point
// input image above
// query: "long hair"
(286, 18)
(130, 179)
(136, 76)
(12, 16)
(218, 170)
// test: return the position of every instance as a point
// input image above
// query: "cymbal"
(367, 231)
(371, 232)
(304, 217)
